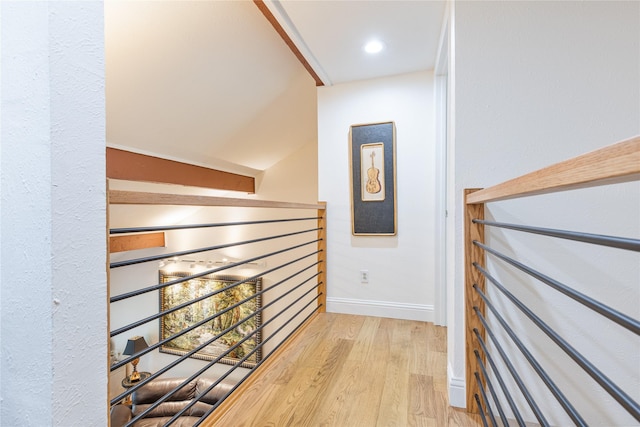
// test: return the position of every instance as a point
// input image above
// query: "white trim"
(457, 390)
(442, 113)
(442, 56)
(440, 285)
(278, 12)
(394, 310)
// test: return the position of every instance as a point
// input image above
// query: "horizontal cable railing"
(566, 405)
(508, 335)
(234, 320)
(597, 239)
(612, 314)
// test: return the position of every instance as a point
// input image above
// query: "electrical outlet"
(364, 276)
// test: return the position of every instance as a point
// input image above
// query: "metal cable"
(200, 298)
(193, 226)
(482, 416)
(596, 239)
(525, 392)
(492, 390)
(210, 318)
(239, 363)
(486, 400)
(616, 392)
(200, 347)
(564, 402)
(205, 273)
(621, 319)
(206, 249)
(210, 411)
(503, 386)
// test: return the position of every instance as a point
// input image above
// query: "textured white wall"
(401, 268)
(53, 215)
(536, 83)
(26, 212)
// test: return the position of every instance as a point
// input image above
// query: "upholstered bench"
(154, 390)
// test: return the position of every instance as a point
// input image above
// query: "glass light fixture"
(373, 46)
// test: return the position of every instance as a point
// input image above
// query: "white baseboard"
(457, 390)
(392, 310)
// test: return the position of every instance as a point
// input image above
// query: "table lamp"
(134, 345)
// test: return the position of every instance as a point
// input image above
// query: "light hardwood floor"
(353, 371)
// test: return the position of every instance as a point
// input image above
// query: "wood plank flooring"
(353, 371)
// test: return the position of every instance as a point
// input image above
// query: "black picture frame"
(372, 157)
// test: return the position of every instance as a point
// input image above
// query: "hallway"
(346, 370)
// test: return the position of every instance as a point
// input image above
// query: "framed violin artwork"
(372, 174)
(373, 179)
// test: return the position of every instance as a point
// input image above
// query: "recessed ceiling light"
(374, 46)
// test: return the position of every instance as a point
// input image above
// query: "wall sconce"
(135, 345)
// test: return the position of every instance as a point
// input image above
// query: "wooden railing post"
(473, 254)
(322, 257)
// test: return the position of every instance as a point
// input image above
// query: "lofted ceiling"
(213, 83)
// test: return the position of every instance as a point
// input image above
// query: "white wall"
(53, 282)
(294, 178)
(535, 83)
(401, 268)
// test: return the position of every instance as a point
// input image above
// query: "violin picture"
(373, 183)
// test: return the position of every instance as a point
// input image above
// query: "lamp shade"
(134, 345)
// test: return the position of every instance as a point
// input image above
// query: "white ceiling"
(332, 34)
(212, 83)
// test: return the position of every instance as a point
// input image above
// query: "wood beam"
(285, 37)
(130, 242)
(131, 166)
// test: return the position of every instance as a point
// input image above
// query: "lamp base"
(135, 375)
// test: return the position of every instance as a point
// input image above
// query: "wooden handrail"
(117, 197)
(609, 165)
(613, 164)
